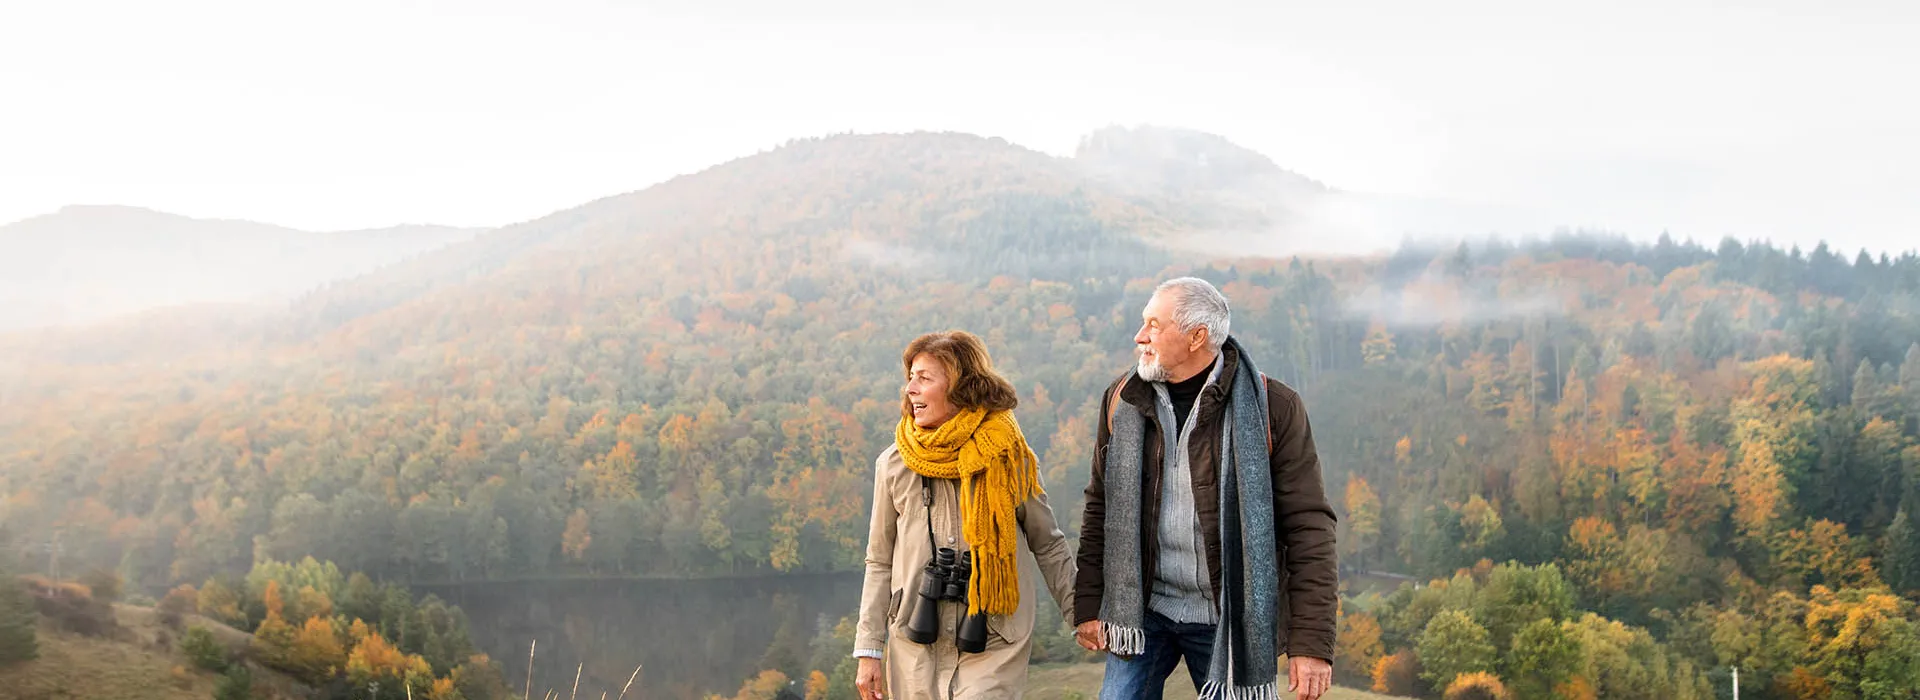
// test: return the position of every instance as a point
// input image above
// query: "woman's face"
(927, 385)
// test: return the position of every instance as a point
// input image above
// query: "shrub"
(72, 607)
(237, 684)
(178, 602)
(203, 650)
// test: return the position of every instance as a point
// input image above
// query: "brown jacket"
(1309, 585)
(897, 554)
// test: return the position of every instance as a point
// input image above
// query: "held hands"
(1091, 635)
(1308, 676)
(870, 680)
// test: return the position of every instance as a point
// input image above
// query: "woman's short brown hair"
(972, 381)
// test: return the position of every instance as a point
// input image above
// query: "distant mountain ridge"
(1180, 190)
(1235, 201)
(87, 263)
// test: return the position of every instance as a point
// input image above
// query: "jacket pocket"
(1008, 628)
(997, 627)
(893, 605)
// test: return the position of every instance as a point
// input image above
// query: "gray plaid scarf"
(1245, 652)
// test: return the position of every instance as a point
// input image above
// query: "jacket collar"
(1139, 393)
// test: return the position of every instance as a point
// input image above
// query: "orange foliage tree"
(1478, 685)
(1396, 674)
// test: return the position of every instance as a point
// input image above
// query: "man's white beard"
(1151, 370)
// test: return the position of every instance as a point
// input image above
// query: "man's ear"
(1198, 339)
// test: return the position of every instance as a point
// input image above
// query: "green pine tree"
(202, 649)
(237, 684)
(1901, 564)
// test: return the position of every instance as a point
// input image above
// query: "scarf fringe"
(1125, 641)
(1220, 691)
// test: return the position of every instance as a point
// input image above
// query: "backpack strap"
(1113, 401)
(1267, 410)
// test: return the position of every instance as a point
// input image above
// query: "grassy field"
(139, 661)
(1070, 681)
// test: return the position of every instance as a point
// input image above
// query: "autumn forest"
(1600, 468)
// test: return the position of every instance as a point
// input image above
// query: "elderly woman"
(957, 498)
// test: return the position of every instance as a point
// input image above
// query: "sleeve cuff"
(1315, 643)
(868, 654)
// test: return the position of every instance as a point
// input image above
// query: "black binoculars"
(946, 579)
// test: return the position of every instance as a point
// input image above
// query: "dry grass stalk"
(529, 689)
(576, 680)
(636, 674)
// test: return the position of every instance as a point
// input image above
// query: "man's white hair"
(1197, 303)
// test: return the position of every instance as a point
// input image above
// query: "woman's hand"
(870, 679)
(1091, 635)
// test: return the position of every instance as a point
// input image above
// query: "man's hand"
(1308, 676)
(870, 679)
(1091, 635)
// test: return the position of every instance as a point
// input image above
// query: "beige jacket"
(897, 555)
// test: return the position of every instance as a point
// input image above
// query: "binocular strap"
(926, 500)
(933, 545)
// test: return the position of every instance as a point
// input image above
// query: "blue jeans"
(1143, 677)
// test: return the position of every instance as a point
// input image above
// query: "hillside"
(805, 241)
(139, 662)
(84, 264)
(693, 380)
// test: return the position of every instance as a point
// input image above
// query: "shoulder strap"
(926, 500)
(1113, 401)
(1268, 411)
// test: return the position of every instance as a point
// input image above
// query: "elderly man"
(1196, 448)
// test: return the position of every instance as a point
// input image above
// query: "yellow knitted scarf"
(997, 473)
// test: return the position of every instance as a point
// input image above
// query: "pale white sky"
(1790, 120)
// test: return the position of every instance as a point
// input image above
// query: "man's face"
(1160, 344)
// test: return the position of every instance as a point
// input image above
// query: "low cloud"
(1336, 223)
(889, 256)
(1426, 306)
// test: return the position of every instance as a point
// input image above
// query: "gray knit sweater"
(1181, 590)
